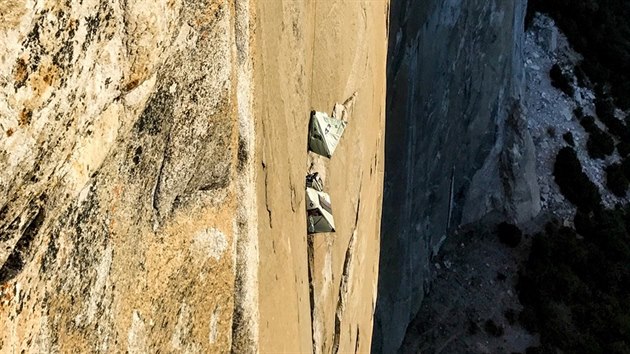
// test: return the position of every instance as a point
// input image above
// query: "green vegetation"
(573, 182)
(576, 290)
(568, 138)
(616, 180)
(605, 110)
(588, 123)
(473, 327)
(625, 166)
(623, 148)
(511, 316)
(561, 80)
(599, 144)
(575, 285)
(493, 329)
(578, 112)
(580, 75)
(600, 31)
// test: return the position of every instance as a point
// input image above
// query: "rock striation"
(122, 145)
(317, 293)
(152, 161)
(457, 145)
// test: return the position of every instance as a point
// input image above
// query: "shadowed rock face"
(452, 155)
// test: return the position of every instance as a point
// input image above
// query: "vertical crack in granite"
(341, 297)
(245, 317)
(266, 172)
(356, 343)
(155, 194)
(23, 250)
(345, 280)
(311, 290)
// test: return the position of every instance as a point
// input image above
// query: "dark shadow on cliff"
(450, 89)
(395, 182)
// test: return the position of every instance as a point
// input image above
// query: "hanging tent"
(324, 133)
(319, 216)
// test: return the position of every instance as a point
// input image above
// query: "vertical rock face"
(141, 182)
(457, 148)
(317, 292)
(151, 153)
(120, 124)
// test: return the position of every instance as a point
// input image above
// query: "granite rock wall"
(119, 146)
(457, 148)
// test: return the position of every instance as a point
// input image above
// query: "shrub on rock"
(511, 316)
(588, 123)
(623, 148)
(583, 222)
(568, 137)
(580, 75)
(534, 350)
(574, 289)
(578, 112)
(560, 80)
(573, 182)
(493, 329)
(616, 180)
(509, 234)
(605, 110)
(599, 144)
(528, 319)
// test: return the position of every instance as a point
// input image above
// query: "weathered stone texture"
(133, 154)
(118, 148)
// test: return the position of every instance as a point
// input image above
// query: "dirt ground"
(310, 55)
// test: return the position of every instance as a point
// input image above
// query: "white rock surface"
(550, 115)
